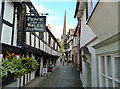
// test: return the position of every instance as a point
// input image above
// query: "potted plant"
(11, 70)
(30, 65)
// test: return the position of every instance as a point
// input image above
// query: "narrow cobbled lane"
(62, 76)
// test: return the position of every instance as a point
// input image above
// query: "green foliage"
(13, 68)
(29, 64)
(62, 47)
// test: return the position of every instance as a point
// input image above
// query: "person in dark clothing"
(61, 60)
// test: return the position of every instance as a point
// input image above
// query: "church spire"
(64, 28)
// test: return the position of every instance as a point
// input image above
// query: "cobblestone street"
(62, 76)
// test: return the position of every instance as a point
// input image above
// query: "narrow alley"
(62, 76)
(72, 44)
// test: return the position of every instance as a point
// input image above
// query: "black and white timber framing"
(13, 37)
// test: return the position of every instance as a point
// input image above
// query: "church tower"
(64, 29)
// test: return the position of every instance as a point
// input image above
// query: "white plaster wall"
(51, 42)
(37, 43)
(108, 48)
(27, 10)
(104, 20)
(58, 48)
(32, 40)
(15, 31)
(55, 45)
(6, 34)
(44, 47)
(0, 6)
(74, 41)
(8, 13)
(44, 36)
(41, 45)
(37, 40)
(27, 38)
(83, 75)
(93, 63)
(86, 33)
(47, 37)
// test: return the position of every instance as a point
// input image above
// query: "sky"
(56, 11)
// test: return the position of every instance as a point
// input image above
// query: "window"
(109, 67)
(109, 70)
(117, 66)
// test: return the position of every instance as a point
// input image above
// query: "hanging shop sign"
(35, 23)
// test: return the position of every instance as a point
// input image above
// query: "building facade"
(14, 39)
(100, 54)
(68, 44)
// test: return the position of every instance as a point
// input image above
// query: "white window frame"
(115, 81)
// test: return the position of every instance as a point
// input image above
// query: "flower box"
(15, 68)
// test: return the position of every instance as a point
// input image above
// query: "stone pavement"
(62, 76)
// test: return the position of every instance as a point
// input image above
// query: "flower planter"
(12, 83)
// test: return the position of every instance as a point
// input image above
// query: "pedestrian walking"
(61, 60)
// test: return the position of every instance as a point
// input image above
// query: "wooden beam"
(1, 18)
(10, 48)
(13, 26)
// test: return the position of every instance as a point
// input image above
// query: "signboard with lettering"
(35, 23)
